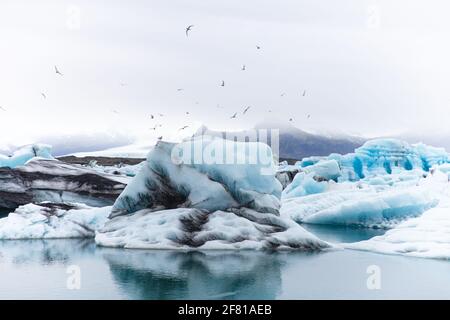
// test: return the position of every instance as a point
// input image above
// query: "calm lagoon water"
(37, 270)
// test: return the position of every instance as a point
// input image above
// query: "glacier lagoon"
(37, 269)
(316, 229)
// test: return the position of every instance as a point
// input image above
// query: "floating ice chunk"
(48, 220)
(359, 207)
(188, 228)
(24, 154)
(427, 236)
(304, 184)
(174, 176)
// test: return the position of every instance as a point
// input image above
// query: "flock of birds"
(152, 117)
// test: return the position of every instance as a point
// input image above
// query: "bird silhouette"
(187, 112)
(188, 29)
(243, 67)
(222, 84)
(290, 119)
(180, 89)
(245, 110)
(160, 114)
(182, 128)
(233, 116)
(283, 94)
(43, 95)
(304, 93)
(258, 47)
(309, 116)
(152, 116)
(57, 71)
(160, 137)
(153, 128)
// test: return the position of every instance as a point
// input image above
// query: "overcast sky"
(368, 67)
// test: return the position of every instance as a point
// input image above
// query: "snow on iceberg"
(174, 177)
(49, 220)
(24, 154)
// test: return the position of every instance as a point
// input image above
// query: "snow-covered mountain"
(295, 143)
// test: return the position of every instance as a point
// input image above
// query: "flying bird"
(234, 116)
(283, 94)
(245, 110)
(57, 71)
(304, 93)
(182, 128)
(43, 95)
(222, 84)
(243, 67)
(180, 89)
(115, 111)
(187, 112)
(160, 137)
(188, 29)
(309, 116)
(258, 47)
(153, 128)
(152, 116)
(290, 119)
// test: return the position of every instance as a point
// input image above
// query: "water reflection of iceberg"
(44, 252)
(196, 275)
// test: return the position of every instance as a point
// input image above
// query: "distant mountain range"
(294, 143)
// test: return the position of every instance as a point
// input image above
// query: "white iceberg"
(49, 221)
(188, 228)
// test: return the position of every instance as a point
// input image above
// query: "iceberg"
(21, 156)
(380, 157)
(50, 220)
(189, 228)
(177, 201)
(173, 177)
(381, 184)
(361, 208)
(52, 180)
(427, 236)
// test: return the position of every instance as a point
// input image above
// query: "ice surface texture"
(188, 228)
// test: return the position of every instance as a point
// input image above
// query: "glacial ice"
(189, 228)
(21, 156)
(363, 208)
(48, 221)
(379, 185)
(383, 156)
(174, 177)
